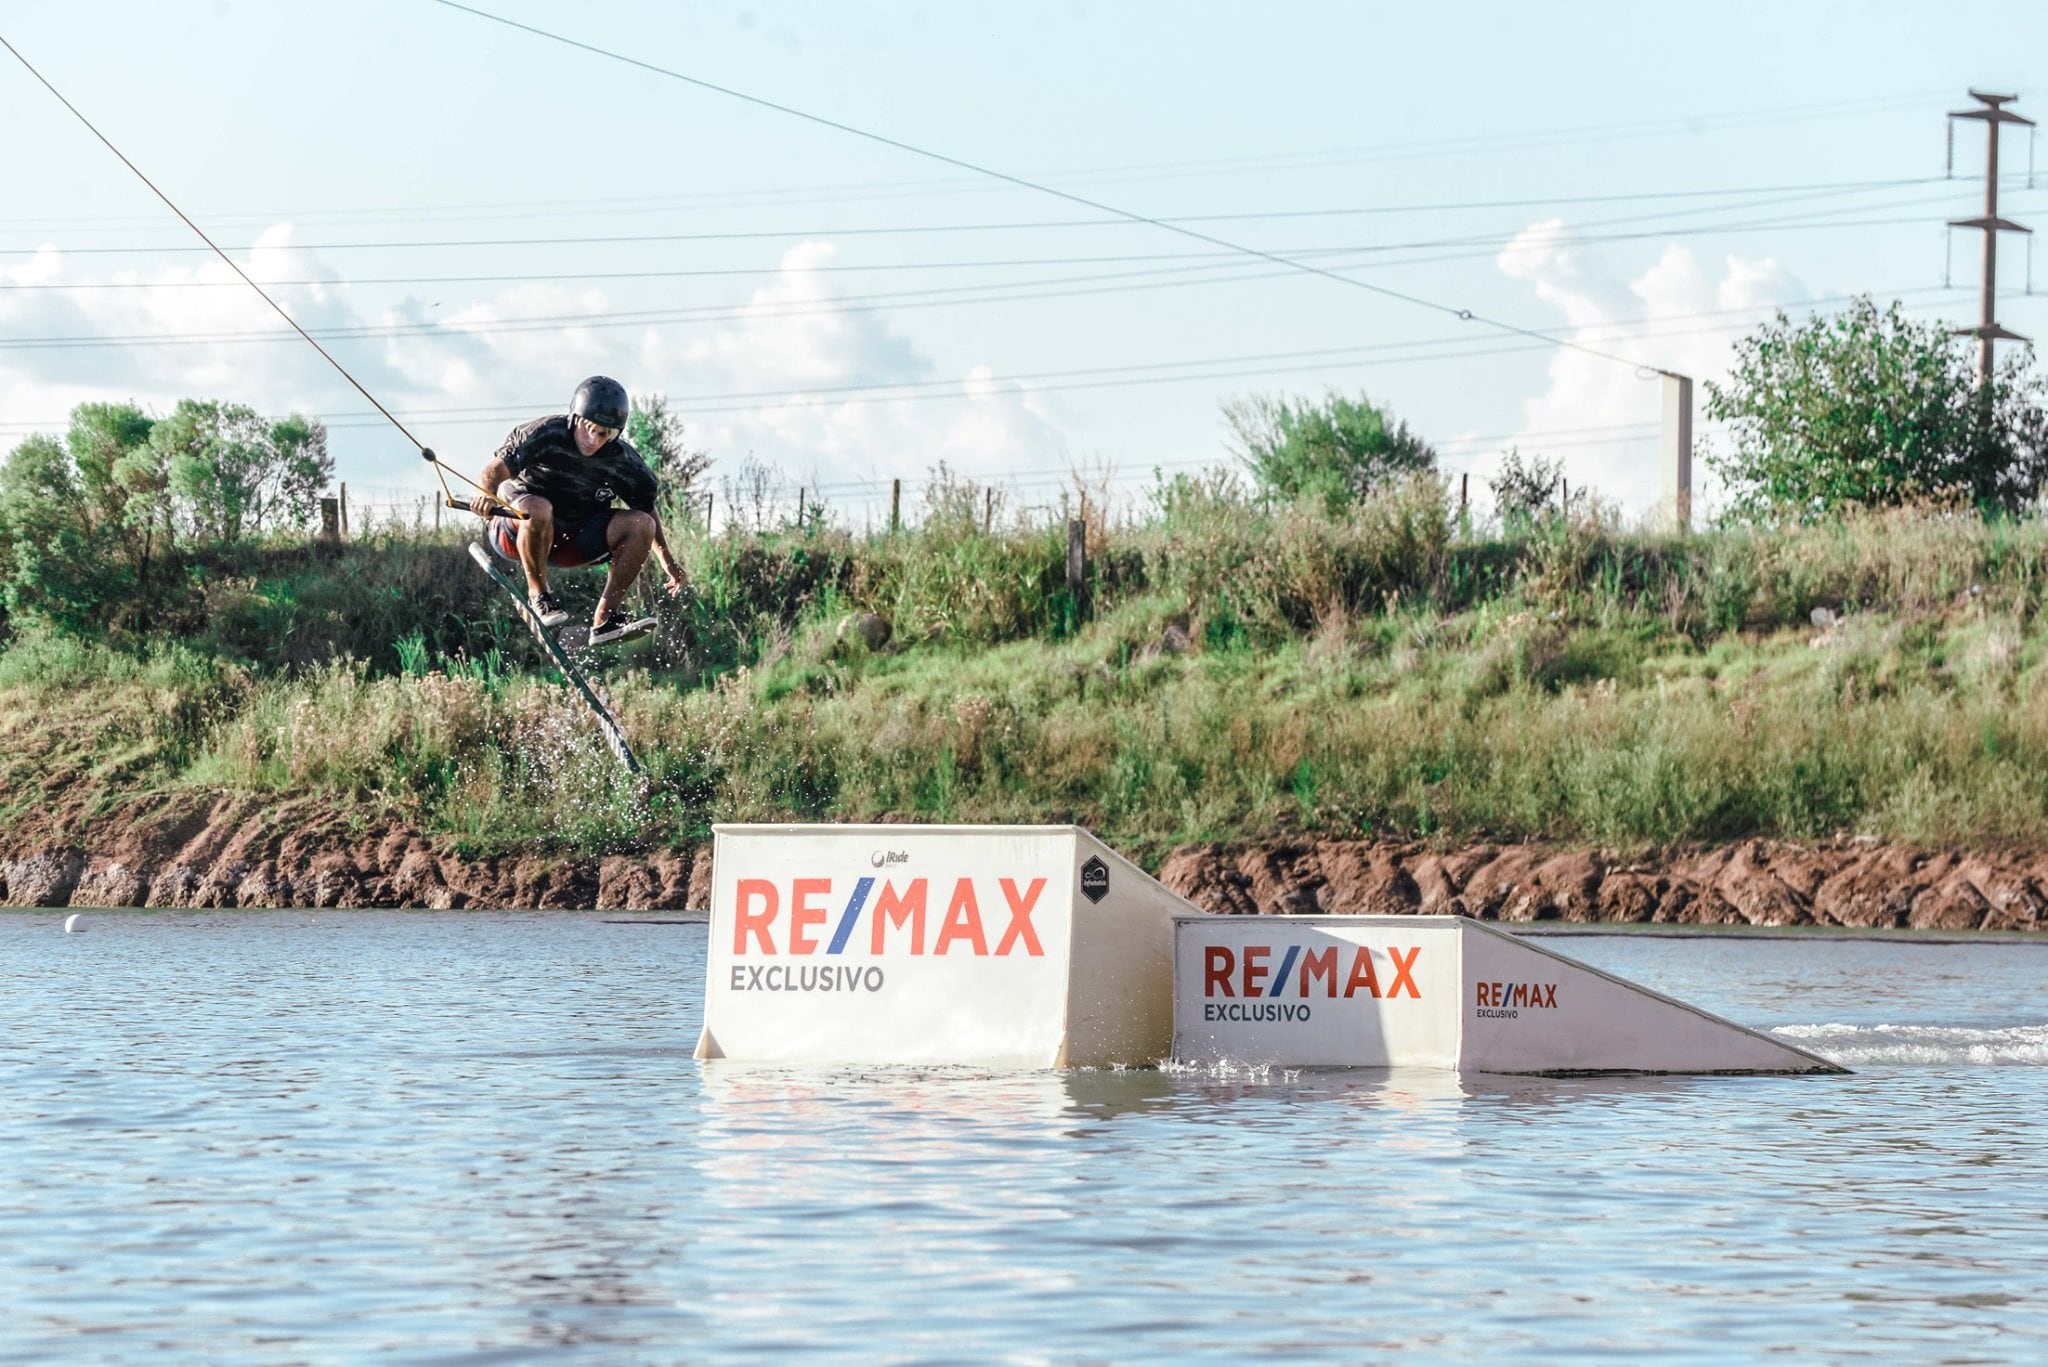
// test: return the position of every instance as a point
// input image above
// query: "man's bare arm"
(670, 566)
(495, 472)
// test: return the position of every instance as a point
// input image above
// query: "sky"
(471, 218)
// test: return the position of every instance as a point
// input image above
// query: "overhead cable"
(1462, 314)
(612, 210)
(278, 308)
(928, 229)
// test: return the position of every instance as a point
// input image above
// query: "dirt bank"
(196, 851)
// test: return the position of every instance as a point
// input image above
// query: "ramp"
(995, 946)
(1438, 992)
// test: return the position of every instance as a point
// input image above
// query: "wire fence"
(759, 497)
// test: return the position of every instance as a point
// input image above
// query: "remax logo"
(1251, 972)
(1506, 1001)
(770, 918)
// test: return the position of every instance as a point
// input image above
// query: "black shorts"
(586, 543)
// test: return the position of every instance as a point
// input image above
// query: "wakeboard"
(564, 661)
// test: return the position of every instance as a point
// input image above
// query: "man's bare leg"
(630, 535)
(536, 539)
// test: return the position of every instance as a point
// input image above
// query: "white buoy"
(73, 923)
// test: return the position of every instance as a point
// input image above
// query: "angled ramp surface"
(1528, 1009)
(1435, 991)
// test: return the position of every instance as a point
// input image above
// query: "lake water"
(298, 1136)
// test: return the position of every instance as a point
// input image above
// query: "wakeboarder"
(563, 473)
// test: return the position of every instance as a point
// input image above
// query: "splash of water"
(1851, 1045)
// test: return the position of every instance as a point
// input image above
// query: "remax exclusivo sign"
(1315, 991)
(1000, 946)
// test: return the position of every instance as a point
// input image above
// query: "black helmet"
(602, 400)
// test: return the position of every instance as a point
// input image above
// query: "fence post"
(1077, 568)
(344, 508)
(988, 509)
(895, 505)
(707, 512)
(799, 507)
(330, 519)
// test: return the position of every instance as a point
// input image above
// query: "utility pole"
(1991, 225)
(1677, 444)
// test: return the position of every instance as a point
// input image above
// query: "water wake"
(2015, 1045)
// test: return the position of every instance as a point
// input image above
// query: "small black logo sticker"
(1094, 879)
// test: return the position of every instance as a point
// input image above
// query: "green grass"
(1249, 674)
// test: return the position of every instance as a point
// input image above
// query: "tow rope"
(500, 508)
(607, 719)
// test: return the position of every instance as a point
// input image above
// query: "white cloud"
(797, 343)
(1672, 316)
(795, 339)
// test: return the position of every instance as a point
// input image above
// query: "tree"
(232, 473)
(103, 441)
(81, 519)
(52, 566)
(1525, 490)
(1869, 406)
(125, 486)
(1336, 452)
(657, 435)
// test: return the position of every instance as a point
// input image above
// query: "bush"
(1335, 452)
(1524, 491)
(1869, 407)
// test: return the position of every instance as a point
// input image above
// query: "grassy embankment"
(1378, 675)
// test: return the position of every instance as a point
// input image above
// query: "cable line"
(209, 242)
(1816, 189)
(1462, 314)
(984, 263)
(900, 300)
(343, 370)
(1170, 222)
(1446, 347)
(1325, 357)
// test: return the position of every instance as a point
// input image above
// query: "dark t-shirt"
(543, 458)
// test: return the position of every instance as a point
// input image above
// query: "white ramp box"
(1435, 992)
(996, 946)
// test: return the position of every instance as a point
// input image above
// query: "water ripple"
(470, 1139)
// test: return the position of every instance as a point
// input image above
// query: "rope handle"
(503, 509)
(456, 503)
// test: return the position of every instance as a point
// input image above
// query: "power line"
(1326, 358)
(611, 209)
(914, 230)
(895, 301)
(1446, 347)
(981, 263)
(1195, 167)
(995, 292)
(1464, 315)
